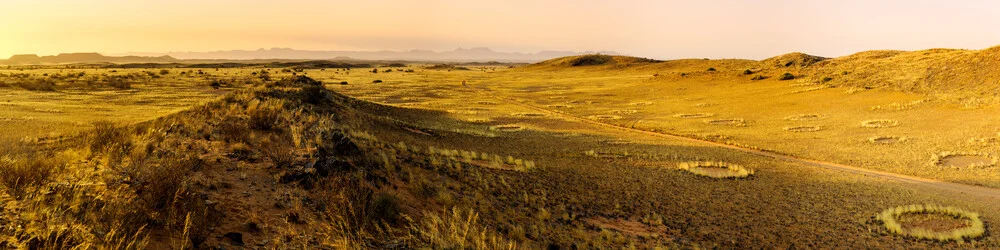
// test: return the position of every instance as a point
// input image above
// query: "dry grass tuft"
(458, 229)
(713, 169)
(21, 174)
(974, 229)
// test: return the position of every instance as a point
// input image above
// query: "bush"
(786, 76)
(827, 79)
(711, 70)
(37, 84)
(758, 77)
(747, 72)
(164, 72)
(377, 81)
(119, 83)
(343, 83)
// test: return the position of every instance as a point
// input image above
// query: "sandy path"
(936, 185)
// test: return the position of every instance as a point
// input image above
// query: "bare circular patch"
(624, 111)
(462, 112)
(880, 123)
(886, 139)
(528, 114)
(803, 129)
(605, 117)
(694, 115)
(479, 120)
(933, 222)
(727, 122)
(964, 160)
(805, 117)
(507, 128)
(615, 142)
(720, 170)
(559, 106)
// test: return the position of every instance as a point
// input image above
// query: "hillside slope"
(276, 166)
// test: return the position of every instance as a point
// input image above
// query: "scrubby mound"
(594, 60)
(792, 60)
(589, 60)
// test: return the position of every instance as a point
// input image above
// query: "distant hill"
(946, 73)
(84, 58)
(457, 55)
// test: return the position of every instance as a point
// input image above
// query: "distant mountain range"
(85, 58)
(457, 55)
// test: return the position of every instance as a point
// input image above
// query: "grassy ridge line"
(983, 192)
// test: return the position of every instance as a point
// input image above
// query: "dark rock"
(235, 237)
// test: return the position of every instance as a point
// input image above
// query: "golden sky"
(661, 29)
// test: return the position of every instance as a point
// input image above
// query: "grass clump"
(758, 78)
(786, 76)
(20, 174)
(974, 228)
(457, 229)
(714, 169)
(264, 115)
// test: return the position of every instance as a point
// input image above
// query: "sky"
(664, 29)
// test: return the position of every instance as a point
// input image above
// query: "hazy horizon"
(654, 29)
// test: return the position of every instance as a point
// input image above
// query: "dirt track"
(944, 187)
